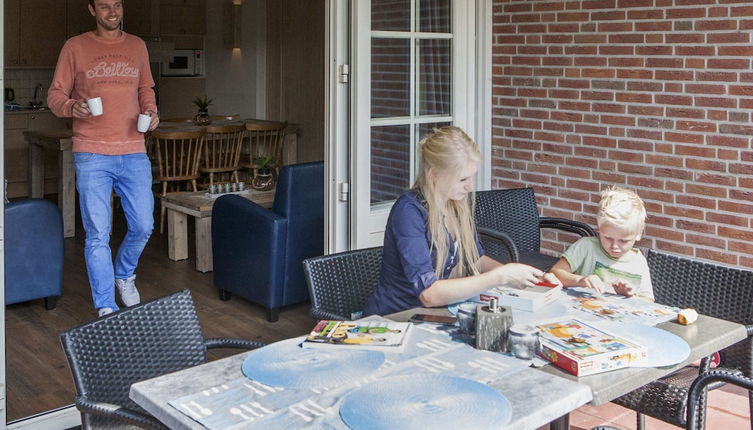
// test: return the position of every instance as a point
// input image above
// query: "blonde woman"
(610, 263)
(432, 256)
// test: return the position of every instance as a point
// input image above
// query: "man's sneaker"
(104, 311)
(129, 295)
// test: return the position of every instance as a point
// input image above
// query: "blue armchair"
(258, 252)
(34, 252)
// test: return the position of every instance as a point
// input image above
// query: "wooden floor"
(38, 378)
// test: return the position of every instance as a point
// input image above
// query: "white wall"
(235, 77)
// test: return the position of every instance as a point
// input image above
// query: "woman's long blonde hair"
(443, 155)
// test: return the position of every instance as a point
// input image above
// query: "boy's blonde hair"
(443, 155)
(623, 208)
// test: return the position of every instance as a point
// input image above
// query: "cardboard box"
(584, 349)
(527, 299)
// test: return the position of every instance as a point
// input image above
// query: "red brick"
(623, 38)
(711, 241)
(716, 115)
(646, 110)
(517, 8)
(548, 6)
(741, 90)
(583, 185)
(674, 248)
(674, 63)
(685, 38)
(685, 212)
(673, 100)
(597, 95)
(672, 173)
(718, 12)
(702, 202)
(618, 27)
(728, 64)
(664, 160)
(618, 120)
(635, 168)
(730, 155)
(590, 39)
(657, 26)
(589, 151)
(672, 87)
(683, 137)
(608, 177)
(572, 16)
(531, 28)
(599, 141)
(685, 113)
(549, 137)
(719, 102)
(521, 134)
(722, 257)
(624, 62)
(734, 233)
(716, 76)
(663, 233)
(558, 126)
(685, 13)
(716, 25)
(741, 247)
(704, 89)
(626, 156)
(645, 134)
(633, 98)
(635, 74)
(598, 4)
(736, 129)
(738, 221)
(634, 3)
(705, 164)
(706, 190)
(616, 50)
(741, 195)
(696, 126)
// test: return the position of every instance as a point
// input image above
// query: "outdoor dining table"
(535, 398)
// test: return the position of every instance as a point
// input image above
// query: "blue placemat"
(286, 364)
(664, 348)
(425, 401)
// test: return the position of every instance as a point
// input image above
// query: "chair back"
(109, 354)
(513, 212)
(222, 148)
(697, 394)
(264, 139)
(178, 156)
(34, 250)
(299, 197)
(340, 284)
(711, 289)
(234, 117)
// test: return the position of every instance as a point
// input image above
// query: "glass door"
(412, 72)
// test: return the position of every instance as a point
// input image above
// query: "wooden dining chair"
(222, 151)
(264, 139)
(234, 117)
(178, 158)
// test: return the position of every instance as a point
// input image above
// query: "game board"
(589, 305)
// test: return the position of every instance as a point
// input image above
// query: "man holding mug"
(108, 70)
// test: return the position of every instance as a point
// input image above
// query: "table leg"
(561, 423)
(204, 261)
(177, 235)
(35, 176)
(67, 192)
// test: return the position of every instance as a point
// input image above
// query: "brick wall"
(654, 95)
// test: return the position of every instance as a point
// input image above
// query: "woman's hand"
(517, 275)
(593, 282)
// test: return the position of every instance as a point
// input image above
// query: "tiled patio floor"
(728, 410)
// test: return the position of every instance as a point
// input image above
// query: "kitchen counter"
(27, 111)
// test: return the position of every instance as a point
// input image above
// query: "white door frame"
(476, 83)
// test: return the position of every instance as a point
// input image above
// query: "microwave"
(185, 62)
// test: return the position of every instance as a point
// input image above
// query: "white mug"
(95, 106)
(143, 123)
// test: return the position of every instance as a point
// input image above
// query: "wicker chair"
(714, 290)
(514, 213)
(340, 284)
(696, 397)
(144, 341)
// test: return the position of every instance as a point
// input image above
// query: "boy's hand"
(622, 287)
(593, 282)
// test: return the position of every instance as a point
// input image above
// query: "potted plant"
(263, 178)
(202, 117)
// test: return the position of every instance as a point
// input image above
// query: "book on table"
(525, 299)
(370, 334)
(584, 349)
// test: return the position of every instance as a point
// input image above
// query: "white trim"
(484, 39)
(57, 419)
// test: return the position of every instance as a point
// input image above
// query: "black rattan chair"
(339, 284)
(109, 354)
(514, 214)
(714, 290)
(696, 397)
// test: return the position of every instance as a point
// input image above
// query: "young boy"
(609, 262)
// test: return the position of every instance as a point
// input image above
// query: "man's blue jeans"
(97, 176)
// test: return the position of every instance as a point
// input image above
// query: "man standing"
(108, 151)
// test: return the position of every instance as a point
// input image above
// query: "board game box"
(525, 299)
(584, 349)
